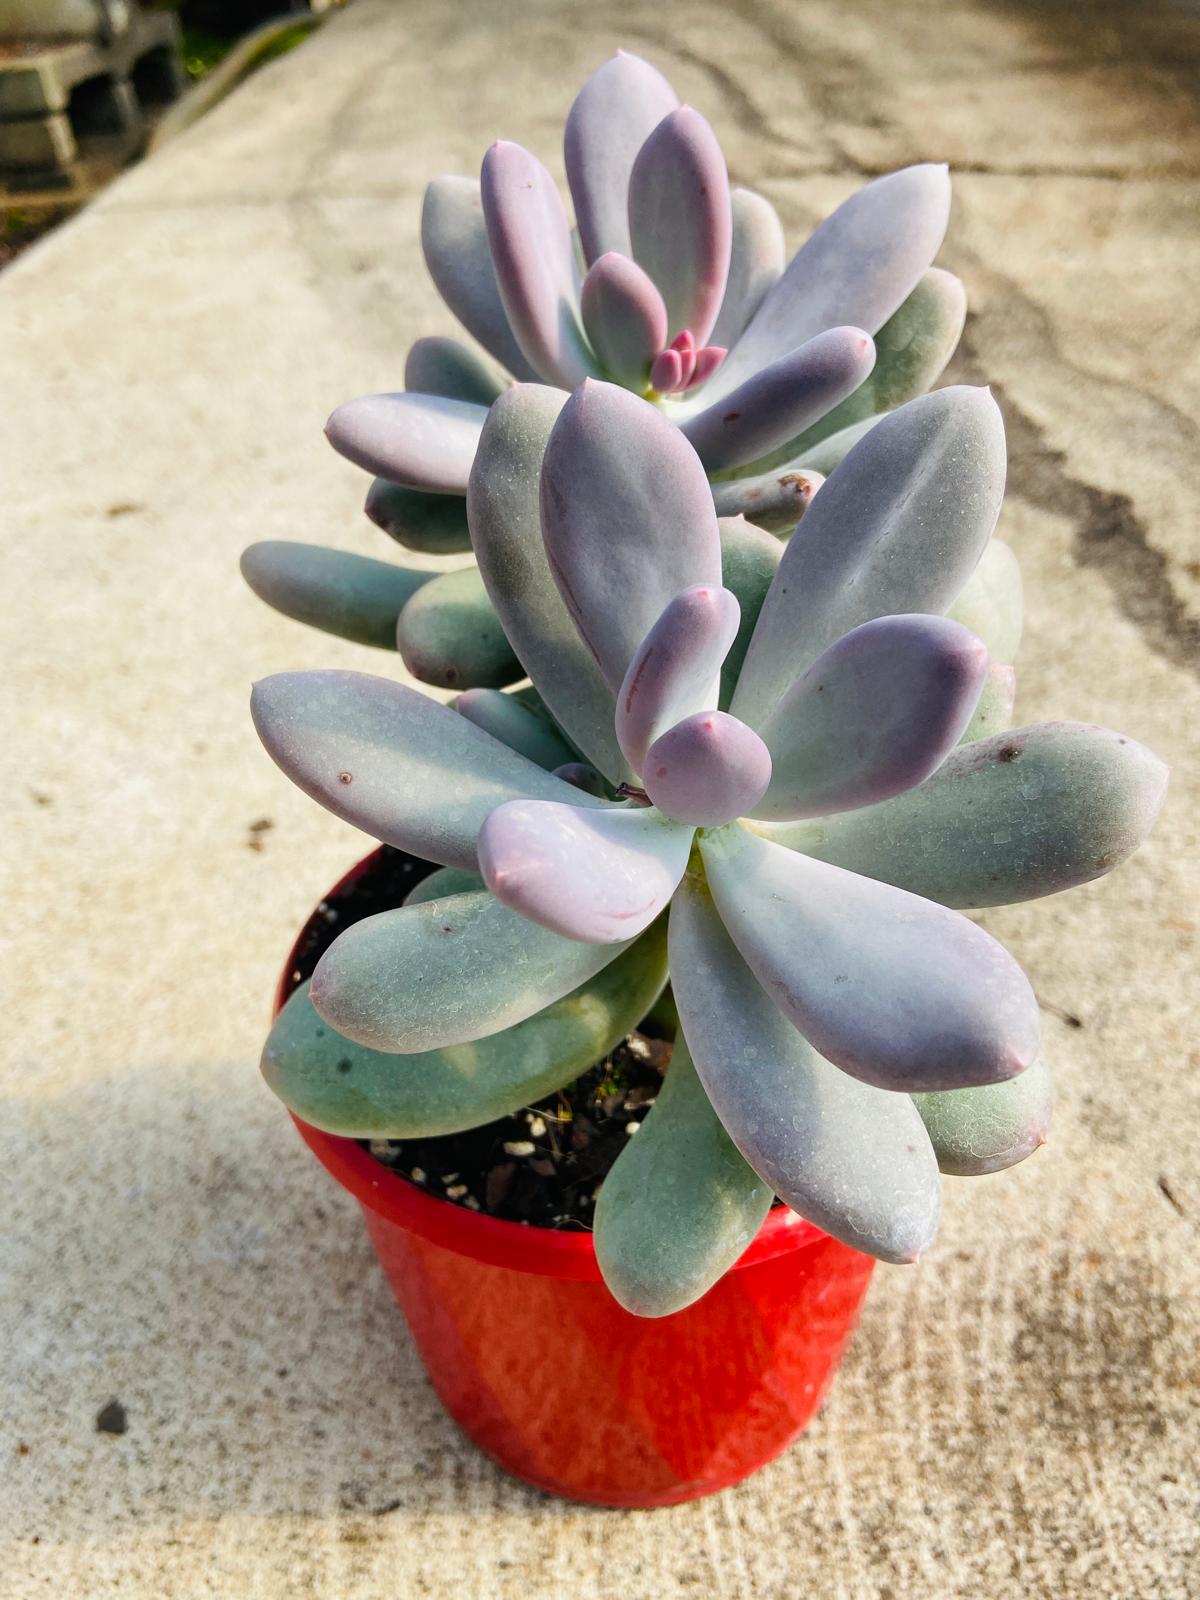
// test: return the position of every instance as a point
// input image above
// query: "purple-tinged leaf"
(781, 399)
(911, 350)
(455, 244)
(627, 517)
(393, 762)
(708, 358)
(625, 319)
(755, 262)
(994, 709)
(446, 367)
(422, 441)
(680, 1205)
(851, 1158)
(685, 343)
(502, 505)
(449, 635)
(859, 267)
(614, 113)
(666, 372)
(991, 603)
(534, 261)
(599, 875)
(898, 526)
(1009, 818)
(875, 714)
(707, 769)
(506, 719)
(896, 990)
(446, 972)
(680, 220)
(775, 501)
(353, 596)
(977, 1131)
(580, 776)
(677, 667)
(433, 523)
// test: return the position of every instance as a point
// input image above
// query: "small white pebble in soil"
(638, 1047)
(381, 1149)
(450, 1177)
(518, 1147)
(471, 1203)
(632, 1127)
(537, 1127)
(417, 1174)
(456, 1191)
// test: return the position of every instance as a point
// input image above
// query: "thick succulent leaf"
(580, 776)
(666, 371)
(898, 526)
(347, 1088)
(707, 769)
(614, 113)
(435, 524)
(680, 1205)
(755, 262)
(875, 714)
(442, 882)
(453, 638)
(1009, 818)
(447, 367)
(681, 220)
(393, 762)
(599, 875)
(991, 602)
(534, 259)
(976, 1131)
(515, 725)
(775, 502)
(627, 518)
(446, 972)
(911, 350)
(423, 441)
(677, 668)
(349, 595)
(994, 708)
(455, 244)
(859, 267)
(780, 400)
(830, 452)
(749, 560)
(624, 317)
(851, 1158)
(502, 505)
(894, 989)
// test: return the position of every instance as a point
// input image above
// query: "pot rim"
(544, 1252)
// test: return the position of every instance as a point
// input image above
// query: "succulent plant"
(671, 285)
(789, 840)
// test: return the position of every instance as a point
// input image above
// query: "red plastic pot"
(535, 1360)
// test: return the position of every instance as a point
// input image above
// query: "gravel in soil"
(543, 1165)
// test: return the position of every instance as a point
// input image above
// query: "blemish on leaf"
(345, 777)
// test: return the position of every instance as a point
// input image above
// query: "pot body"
(536, 1361)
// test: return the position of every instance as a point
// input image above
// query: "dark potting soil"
(543, 1165)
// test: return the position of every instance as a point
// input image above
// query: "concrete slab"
(1019, 1413)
